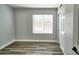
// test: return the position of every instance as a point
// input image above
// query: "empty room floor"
(32, 48)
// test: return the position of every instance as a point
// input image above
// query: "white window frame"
(42, 24)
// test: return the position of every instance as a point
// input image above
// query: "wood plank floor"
(32, 48)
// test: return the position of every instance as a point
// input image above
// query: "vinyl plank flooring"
(32, 48)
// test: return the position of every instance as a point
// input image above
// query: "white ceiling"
(34, 5)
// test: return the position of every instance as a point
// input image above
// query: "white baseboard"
(31, 40)
(7, 44)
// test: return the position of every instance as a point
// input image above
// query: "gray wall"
(24, 23)
(76, 25)
(6, 25)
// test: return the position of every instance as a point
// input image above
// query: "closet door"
(61, 27)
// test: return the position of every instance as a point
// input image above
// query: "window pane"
(37, 24)
(42, 23)
(48, 24)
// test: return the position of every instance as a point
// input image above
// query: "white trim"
(35, 5)
(3, 46)
(62, 50)
(31, 40)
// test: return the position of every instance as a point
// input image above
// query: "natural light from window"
(43, 24)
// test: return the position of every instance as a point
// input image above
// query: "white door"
(61, 29)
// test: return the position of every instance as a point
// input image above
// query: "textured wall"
(24, 23)
(6, 25)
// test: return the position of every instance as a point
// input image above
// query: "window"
(42, 23)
